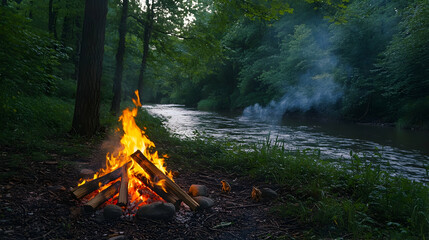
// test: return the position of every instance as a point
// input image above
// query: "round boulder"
(112, 212)
(204, 202)
(156, 211)
(268, 194)
(198, 190)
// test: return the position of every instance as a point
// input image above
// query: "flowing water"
(404, 152)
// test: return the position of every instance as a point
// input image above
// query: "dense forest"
(366, 61)
(68, 68)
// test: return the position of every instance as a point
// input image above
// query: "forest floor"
(36, 203)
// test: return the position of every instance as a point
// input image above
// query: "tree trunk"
(52, 18)
(30, 14)
(146, 39)
(78, 37)
(86, 119)
(67, 31)
(116, 101)
(55, 22)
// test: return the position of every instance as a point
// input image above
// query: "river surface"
(404, 152)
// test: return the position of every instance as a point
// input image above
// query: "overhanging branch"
(143, 24)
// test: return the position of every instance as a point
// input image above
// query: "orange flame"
(132, 140)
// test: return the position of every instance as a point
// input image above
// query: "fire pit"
(134, 174)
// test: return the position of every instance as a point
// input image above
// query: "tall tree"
(86, 119)
(67, 28)
(52, 21)
(163, 20)
(78, 37)
(116, 101)
(4, 2)
(71, 31)
(148, 25)
(30, 14)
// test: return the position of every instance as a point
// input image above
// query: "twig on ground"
(244, 206)
(211, 215)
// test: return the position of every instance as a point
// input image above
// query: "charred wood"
(93, 185)
(160, 192)
(102, 197)
(123, 191)
(158, 176)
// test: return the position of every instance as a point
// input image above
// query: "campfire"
(134, 174)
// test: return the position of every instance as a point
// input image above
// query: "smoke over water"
(315, 90)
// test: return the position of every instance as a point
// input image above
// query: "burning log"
(93, 185)
(171, 198)
(102, 197)
(123, 191)
(170, 186)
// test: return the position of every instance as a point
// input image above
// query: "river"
(404, 152)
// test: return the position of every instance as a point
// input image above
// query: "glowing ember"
(132, 140)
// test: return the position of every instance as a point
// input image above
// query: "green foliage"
(239, 58)
(415, 112)
(403, 67)
(211, 104)
(265, 10)
(28, 66)
(36, 103)
(28, 57)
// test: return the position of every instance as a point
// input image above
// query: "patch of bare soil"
(38, 204)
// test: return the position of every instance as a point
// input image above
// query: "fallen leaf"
(223, 224)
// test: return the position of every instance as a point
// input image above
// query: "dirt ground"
(37, 204)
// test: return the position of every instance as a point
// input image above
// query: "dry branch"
(157, 175)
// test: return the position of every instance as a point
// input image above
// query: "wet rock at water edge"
(156, 211)
(112, 212)
(198, 190)
(204, 202)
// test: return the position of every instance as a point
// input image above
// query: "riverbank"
(357, 200)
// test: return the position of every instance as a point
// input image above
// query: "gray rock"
(204, 202)
(86, 173)
(112, 212)
(198, 190)
(268, 194)
(156, 211)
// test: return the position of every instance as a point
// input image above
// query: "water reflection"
(405, 152)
